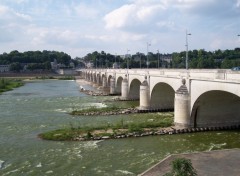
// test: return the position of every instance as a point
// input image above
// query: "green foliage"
(67, 78)
(182, 167)
(58, 135)
(9, 84)
(15, 66)
(121, 127)
(134, 128)
(34, 59)
(206, 59)
(89, 135)
(95, 109)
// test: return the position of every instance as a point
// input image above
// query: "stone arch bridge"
(200, 98)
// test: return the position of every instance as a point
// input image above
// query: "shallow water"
(41, 106)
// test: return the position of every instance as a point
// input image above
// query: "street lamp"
(187, 48)
(148, 44)
(127, 59)
(140, 60)
(158, 58)
(96, 63)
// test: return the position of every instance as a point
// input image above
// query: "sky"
(79, 27)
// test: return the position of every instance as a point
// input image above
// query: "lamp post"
(187, 34)
(140, 60)
(158, 58)
(127, 59)
(96, 63)
(148, 44)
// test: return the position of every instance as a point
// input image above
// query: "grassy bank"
(95, 109)
(59, 77)
(155, 122)
(9, 84)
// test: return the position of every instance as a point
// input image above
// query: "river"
(41, 106)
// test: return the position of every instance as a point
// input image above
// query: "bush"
(134, 128)
(182, 167)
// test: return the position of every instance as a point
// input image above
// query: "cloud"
(84, 11)
(132, 16)
(81, 26)
(12, 24)
(168, 13)
(10, 15)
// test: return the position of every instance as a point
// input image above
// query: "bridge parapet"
(202, 74)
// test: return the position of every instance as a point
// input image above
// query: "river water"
(41, 106)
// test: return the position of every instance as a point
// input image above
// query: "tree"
(182, 167)
(15, 67)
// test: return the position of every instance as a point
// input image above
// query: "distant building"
(66, 71)
(89, 65)
(115, 65)
(54, 65)
(167, 58)
(72, 65)
(4, 68)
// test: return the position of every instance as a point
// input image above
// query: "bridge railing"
(202, 74)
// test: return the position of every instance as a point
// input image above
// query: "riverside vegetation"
(154, 123)
(9, 84)
(56, 77)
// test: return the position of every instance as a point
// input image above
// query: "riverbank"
(49, 75)
(9, 84)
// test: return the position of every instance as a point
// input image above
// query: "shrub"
(182, 167)
(134, 128)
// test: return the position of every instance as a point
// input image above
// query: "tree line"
(224, 59)
(33, 59)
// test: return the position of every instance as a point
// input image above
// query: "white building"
(4, 68)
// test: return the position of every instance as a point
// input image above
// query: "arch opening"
(119, 85)
(109, 79)
(216, 109)
(162, 97)
(99, 80)
(134, 90)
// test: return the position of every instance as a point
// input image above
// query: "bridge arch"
(119, 84)
(103, 76)
(99, 80)
(162, 97)
(134, 89)
(216, 108)
(91, 77)
(109, 79)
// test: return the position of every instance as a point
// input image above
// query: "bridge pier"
(124, 95)
(144, 96)
(98, 80)
(182, 106)
(112, 86)
(104, 82)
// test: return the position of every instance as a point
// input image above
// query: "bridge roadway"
(199, 97)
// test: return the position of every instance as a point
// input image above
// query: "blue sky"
(78, 27)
